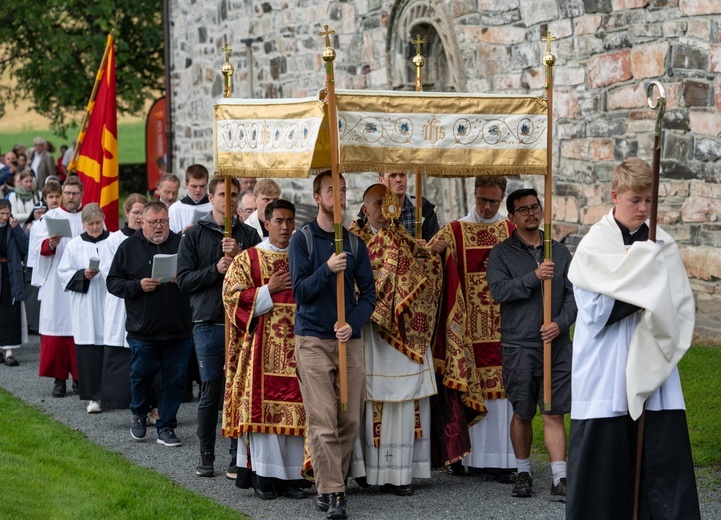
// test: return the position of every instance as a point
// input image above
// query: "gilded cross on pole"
(417, 42)
(227, 50)
(327, 35)
(548, 39)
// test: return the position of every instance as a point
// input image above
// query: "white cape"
(648, 275)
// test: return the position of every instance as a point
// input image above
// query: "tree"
(52, 49)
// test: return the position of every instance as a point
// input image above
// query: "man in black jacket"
(203, 259)
(158, 323)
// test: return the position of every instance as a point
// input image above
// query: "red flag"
(97, 164)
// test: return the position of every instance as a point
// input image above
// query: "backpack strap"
(308, 239)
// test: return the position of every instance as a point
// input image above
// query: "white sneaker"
(94, 407)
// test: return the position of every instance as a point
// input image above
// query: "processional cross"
(327, 35)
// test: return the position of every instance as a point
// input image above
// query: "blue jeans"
(209, 341)
(147, 357)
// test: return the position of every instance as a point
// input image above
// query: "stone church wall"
(607, 51)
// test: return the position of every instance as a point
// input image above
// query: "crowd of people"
(443, 335)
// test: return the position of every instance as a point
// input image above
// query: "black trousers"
(602, 469)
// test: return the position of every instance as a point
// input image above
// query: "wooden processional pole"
(328, 57)
(658, 104)
(418, 62)
(227, 71)
(549, 60)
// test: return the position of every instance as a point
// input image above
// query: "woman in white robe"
(79, 273)
(115, 390)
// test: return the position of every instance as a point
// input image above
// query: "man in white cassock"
(195, 205)
(79, 273)
(57, 348)
(635, 322)
(400, 376)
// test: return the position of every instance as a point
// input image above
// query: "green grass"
(51, 471)
(131, 140)
(701, 389)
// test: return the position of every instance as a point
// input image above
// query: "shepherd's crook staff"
(418, 62)
(227, 71)
(549, 60)
(328, 57)
(660, 105)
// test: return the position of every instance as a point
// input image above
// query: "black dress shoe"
(75, 387)
(362, 482)
(456, 469)
(401, 491)
(292, 492)
(59, 389)
(264, 495)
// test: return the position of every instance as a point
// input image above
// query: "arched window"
(429, 19)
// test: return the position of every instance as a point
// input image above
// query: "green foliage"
(51, 471)
(131, 140)
(53, 49)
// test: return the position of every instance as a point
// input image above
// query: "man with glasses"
(469, 241)
(516, 271)
(247, 205)
(158, 323)
(57, 348)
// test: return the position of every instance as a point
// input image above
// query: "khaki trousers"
(331, 432)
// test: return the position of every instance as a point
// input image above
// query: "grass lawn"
(51, 471)
(131, 140)
(701, 388)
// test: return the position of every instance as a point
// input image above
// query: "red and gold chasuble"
(261, 389)
(470, 245)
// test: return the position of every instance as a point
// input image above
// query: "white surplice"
(616, 369)
(86, 308)
(55, 303)
(181, 214)
(114, 333)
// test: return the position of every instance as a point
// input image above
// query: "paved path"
(441, 497)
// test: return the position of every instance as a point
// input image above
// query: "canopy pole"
(328, 57)
(660, 105)
(418, 62)
(227, 71)
(549, 60)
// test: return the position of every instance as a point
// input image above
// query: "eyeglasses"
(491, 202)
(247, 211)
(157, 223)
(71, 193)
(523, 210)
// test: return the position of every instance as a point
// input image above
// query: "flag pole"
(328, 57)
(549, 60)
(227, 70)
(91, 103)
(418, 62)
(658, 104)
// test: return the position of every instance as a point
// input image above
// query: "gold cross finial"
(417, 42)
(548, 39)
(227, 50)
(327, 35)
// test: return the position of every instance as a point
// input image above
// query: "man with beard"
(398, 184)
(158, 323)
(204, 256)
(313, 268)
(57, 348)
(516, 271)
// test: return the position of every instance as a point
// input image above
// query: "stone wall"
(607, 51)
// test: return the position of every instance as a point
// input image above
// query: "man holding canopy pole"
(332, 431)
